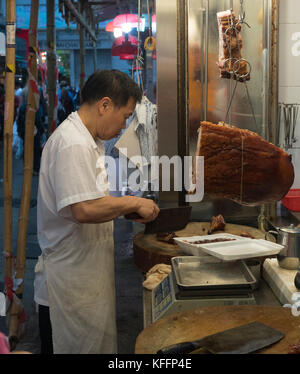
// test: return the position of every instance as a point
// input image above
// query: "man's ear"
(104, 104)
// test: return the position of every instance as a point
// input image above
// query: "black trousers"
(45, 330)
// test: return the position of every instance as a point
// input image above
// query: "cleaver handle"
(182, 348)
(132, 216)
(135, 215)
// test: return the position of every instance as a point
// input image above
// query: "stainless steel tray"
(192, 272)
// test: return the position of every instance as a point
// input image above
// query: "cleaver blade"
(238, 340)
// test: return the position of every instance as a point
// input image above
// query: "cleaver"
(168, 219)
(238, 340)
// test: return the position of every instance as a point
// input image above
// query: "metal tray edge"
(251, 284)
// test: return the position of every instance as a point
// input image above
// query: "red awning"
(110, 27)
(125, 39)
(126, 57)
(124, 45)
(121, 19)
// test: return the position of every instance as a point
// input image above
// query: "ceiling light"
(126, 27)
(117, 32)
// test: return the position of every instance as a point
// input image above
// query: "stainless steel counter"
(263, 295)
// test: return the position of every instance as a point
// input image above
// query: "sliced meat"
(167, 237)
(295, 348)
(207, 241)
(217, 224)
(246, 235)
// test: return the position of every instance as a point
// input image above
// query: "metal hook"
(236, 70)
(229, 69)
(242, 15)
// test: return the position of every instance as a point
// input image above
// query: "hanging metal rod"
(79, 18)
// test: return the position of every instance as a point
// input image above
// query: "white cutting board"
(187, 243)
(242, 249)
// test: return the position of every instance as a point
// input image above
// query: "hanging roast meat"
(240, 165)
(230, 45)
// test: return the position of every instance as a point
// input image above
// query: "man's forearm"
(105, 209)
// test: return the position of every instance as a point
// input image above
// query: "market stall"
(224, 72)
(223, 251)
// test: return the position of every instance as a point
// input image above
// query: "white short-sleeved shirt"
(72, 170)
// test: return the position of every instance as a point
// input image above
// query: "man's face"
(114, 119)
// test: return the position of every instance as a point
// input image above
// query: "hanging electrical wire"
(139, 59)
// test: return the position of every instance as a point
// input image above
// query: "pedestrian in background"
(38, 132)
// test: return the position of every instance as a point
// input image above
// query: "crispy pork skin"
(241, 166)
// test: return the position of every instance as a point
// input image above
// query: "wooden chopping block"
(148, 251)
(198, 323)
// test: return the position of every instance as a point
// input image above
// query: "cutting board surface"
(198, 323)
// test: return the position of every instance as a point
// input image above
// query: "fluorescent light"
(117, 32)
(142, 24)
(126, 27)
(154, 27)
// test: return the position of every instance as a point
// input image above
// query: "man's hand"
(148, 210)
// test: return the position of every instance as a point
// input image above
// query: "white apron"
(81, 291)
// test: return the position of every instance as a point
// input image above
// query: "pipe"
(82, 50)
(206, 58)
(51, 65)
(81, 20)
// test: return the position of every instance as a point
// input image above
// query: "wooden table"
(148, 251)
(198, 323)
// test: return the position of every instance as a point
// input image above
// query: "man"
(75, 273)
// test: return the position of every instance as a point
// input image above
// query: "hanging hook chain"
(138, 61)
(242, 15)
(237, 62)
(149, 19)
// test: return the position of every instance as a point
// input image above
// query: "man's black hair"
(111, 83)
